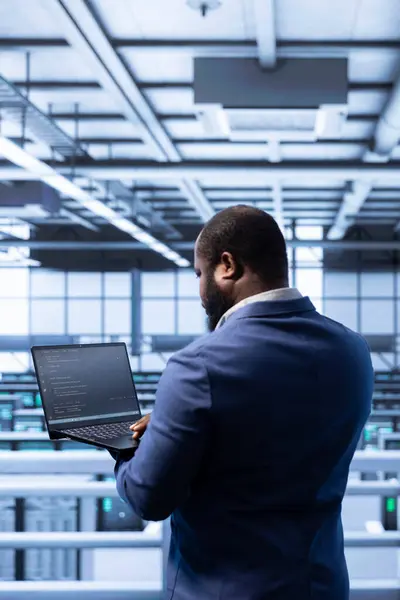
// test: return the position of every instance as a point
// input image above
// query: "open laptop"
(88, 393)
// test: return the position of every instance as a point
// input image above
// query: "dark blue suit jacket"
(249, 449)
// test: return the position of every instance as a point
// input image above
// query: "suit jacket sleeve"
(158, 478)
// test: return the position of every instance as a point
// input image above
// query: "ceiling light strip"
(18, 156)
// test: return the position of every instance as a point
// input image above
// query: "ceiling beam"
(239, 171)
(62, 246)
(248, 174)
(264, 19)
(22, 44)
(239, 48)
(90, 86)
(85, 33)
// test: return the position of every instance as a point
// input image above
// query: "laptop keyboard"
(101, 432)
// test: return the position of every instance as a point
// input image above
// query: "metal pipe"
(359, 539)
(348, 245)
(251, 173)
(87, 590)
(361, 589)
(103, 489)
(98, 462)
(234, 172)
(77, 539)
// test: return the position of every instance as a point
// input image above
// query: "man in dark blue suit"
(253, 431)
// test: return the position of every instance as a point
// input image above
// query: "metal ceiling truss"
(17, 107)
(85, 33)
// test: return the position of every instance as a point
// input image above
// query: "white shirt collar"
(271, 296)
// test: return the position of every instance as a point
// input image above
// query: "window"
(47, 284)
(48, 317)
(158, 285)
(14, 317)
(339, 285)
(188, 285)
(82, 285)
(14, 283)
(343, 311)
(191, 317)
(84, 317)
(309, 282)
(377, 316)
(158, 317)
(118, 317)
(117, 285)
(377, 284)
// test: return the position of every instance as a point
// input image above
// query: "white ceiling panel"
(378, 19)
(62, 64)
(321, 151)
(340, 20)
(171, 19)
(316, 19)
(19, 18)
(164, 66)
(172, 101)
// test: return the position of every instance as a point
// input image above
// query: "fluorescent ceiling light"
(48, 175)
(19, 157)
(15, 228)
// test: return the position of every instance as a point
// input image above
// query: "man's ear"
(231, 268)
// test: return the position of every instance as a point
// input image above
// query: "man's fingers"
(141, 425)
(138, 425)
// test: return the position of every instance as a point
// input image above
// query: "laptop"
(88, 394)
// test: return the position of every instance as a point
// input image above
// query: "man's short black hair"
(253, 238)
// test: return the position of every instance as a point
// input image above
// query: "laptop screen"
(85, 384)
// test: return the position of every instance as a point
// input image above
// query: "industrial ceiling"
(108, 93)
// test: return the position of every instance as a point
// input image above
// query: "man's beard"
(216, 304)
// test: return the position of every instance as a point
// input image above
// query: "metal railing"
(98, 462)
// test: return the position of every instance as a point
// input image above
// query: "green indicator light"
(391, 505)
(107, 504)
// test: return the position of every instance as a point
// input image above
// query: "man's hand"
(140, 427)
